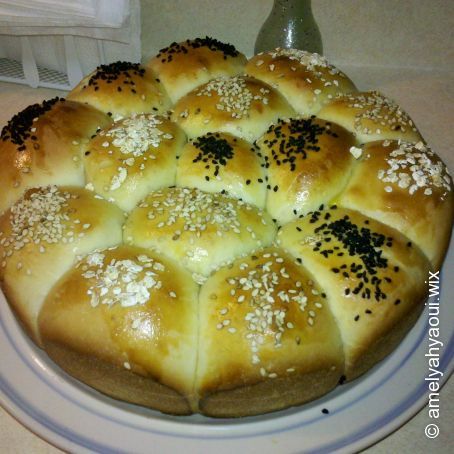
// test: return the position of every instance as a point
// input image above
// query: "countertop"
(428, 97)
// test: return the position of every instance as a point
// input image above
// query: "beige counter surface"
(429, 99)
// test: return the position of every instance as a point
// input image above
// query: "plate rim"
(364, 438)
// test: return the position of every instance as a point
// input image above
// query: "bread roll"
(121, 89)
(371, 116)
(408, 188)
(219, 162)
(181, 67)
(40, 237)
(198, 229)
(43, 145)
(269, 339)
(308, 162)
(132, 157)
(307, 80)
(242, 106)
(125, 322)
(374, 279)
(233, 256)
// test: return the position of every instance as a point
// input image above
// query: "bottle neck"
(293, 7)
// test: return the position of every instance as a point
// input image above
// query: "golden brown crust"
(306, 80)
(218, 162)
(40, 238)
(122, 89)
(271, 395)
(197, 300)
(181, 67)
(132, 157)
(371, 116)
(261, 319)
(131, 309)
(372, 275)
(198, 229)
(406, 186)
(308, 163)
(44, 144)
(116, 382)
(241, 105)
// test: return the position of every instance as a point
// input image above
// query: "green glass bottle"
(290, 24)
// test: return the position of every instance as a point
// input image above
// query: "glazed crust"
(121, 89)
(308, 162)
(392, 195)
(203, 234)
(37, 251)
(241, 105)
(306, 80)
(47, 150)
(372, 275)
(154, 338)
(219, 162)
(371, 116)
(183, 66)
(125, 169)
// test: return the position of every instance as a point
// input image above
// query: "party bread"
(203, 233)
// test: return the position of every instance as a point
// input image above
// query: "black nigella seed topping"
(358, 242)
(18, 128)
(302, 140)
(342, 380)
(325, 411)
(213, 44)
(113, 71)
(213, 150)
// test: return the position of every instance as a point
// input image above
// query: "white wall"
(408, 33)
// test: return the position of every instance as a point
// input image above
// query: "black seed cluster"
(213, 151)
(303, 138)
(112, 72)
(214, 45)
(18, 128)
(358, 242)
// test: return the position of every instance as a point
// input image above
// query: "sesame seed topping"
(234, 95)
(310, 60)
(375, 107)
(356, 152)
(414, 167)
(125, 282)
(41, 218)
(196, 210)
(269, 293)
(136, 134)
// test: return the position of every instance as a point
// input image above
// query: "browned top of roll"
(122, 89)
(407, 186)
(43, 144)
(239, 105)
(183, 66)
(371, 116)
(307, 80)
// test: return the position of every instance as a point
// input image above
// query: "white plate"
(74, 417)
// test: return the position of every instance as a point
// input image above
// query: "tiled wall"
(396, 33)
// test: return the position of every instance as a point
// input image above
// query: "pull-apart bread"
(205, 234)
